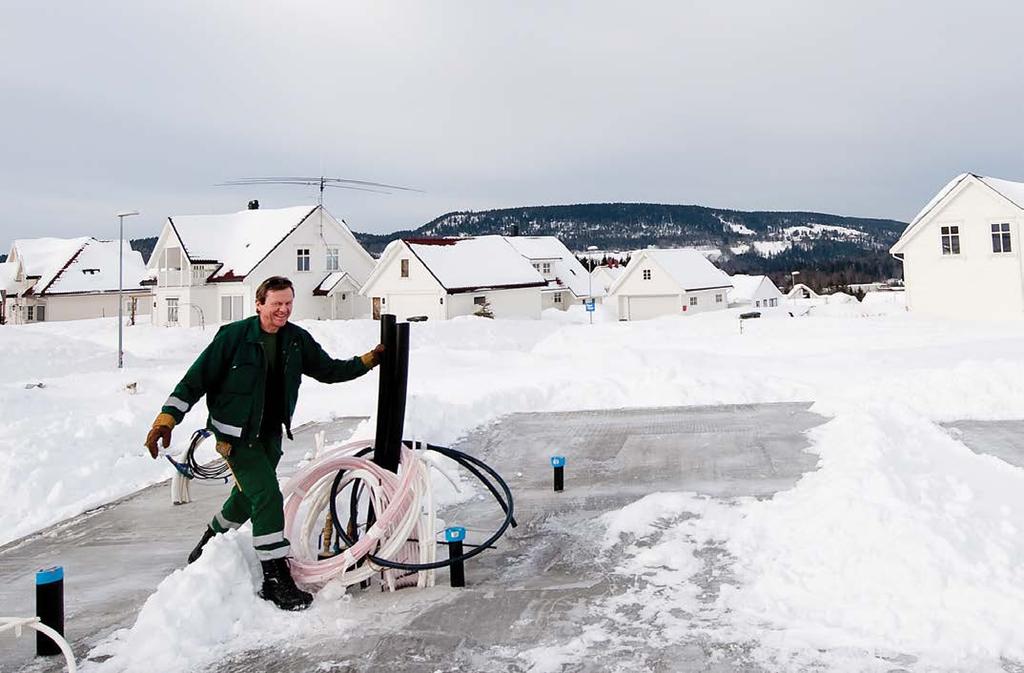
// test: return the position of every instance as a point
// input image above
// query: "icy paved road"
(115, 556)
(528, 600)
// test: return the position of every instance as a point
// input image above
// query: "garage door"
(643, 308)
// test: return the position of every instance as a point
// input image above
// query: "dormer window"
(90, 272)
(545, 267)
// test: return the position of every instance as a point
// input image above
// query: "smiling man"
(250, 374)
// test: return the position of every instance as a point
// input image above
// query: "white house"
(961, 254)
(660, 282)
(441, 278)
(603, 276)
(754, 291)
(52, 279)
(206, 268)
(567, 280)
(801, 291)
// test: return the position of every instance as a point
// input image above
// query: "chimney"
(254, 205)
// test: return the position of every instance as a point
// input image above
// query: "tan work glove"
(161, 430)
(372, 358)
(224, 449)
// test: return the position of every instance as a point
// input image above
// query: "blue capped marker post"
(49, 608)
(558, 462)
(457, 571)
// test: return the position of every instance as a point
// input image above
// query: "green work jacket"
(232, 373)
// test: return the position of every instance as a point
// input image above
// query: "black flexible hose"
(463, 459)
(216, 470)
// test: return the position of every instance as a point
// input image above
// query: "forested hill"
(827, 248)
(629, 226)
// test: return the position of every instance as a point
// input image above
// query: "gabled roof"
(333, 280)
(690, 269)
(8, 273)
(467, 264)
(567, 269)
(1011, 191)
(95, 268)
(43, 258)
(237, 241)
(745, 287)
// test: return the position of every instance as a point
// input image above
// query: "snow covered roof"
(8, 273)
(567, 269)
(1014, 191)
(464, 264)
(332, 281)
(238, 241)
(95, 269)
(690, 269)
(45, 257)
(745, 287)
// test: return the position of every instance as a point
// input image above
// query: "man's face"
(276, 310)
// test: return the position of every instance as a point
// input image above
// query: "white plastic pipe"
(18, 623)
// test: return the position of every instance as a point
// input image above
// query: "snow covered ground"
(903, 540)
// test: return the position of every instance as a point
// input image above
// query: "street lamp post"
(792, 284)
(120, 287)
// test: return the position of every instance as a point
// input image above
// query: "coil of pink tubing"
(397, 501)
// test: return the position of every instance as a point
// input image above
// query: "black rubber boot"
(279, 587)
(198, 551)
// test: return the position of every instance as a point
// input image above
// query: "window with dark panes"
(1001, 237)
(405, 268)
(647, 274)
(302, 259)
(950, 240)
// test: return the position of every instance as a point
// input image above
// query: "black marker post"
(558, 462)
(49, 608)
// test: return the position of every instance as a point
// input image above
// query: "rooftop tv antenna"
(321, 182)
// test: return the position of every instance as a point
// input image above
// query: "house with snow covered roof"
(206, 268)
(961, 253)
(52, 279)
(442, 278)
(801, 291)
(659, 282)
(603, 276)
(568, 281)
(754, 291)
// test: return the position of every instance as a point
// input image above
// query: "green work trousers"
(257, 496)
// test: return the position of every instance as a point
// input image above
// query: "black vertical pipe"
(399, 385)
(457, 570)
(559, 478)
(49, 608)
(386, 369)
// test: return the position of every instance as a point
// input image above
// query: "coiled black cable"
(471, 463)
(215, 470)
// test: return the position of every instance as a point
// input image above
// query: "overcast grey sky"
(850, 107)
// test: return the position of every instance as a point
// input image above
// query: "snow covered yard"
(903, 540)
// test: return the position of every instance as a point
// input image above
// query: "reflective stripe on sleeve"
(232, 430)
(180, 405)
(268, 539)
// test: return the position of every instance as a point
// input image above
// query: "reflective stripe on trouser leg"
(222, 523)
(259, 495)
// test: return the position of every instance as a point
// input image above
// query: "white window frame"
(235, 307)
(302, 260)
(545, 267)
(693, 301)
(1001, 243)
(718, 299)
(172, 310)
(646, 275)
(30, 313)
(332, 259)
(558, 297)
(403, 267)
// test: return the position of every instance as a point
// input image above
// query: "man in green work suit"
(250, 374)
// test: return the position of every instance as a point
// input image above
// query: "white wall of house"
(197, 305)
(414, 293)
(519, 303)
(311, 236)
(560, 299)
(642, 296)
(977, 283)
(82, 307)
